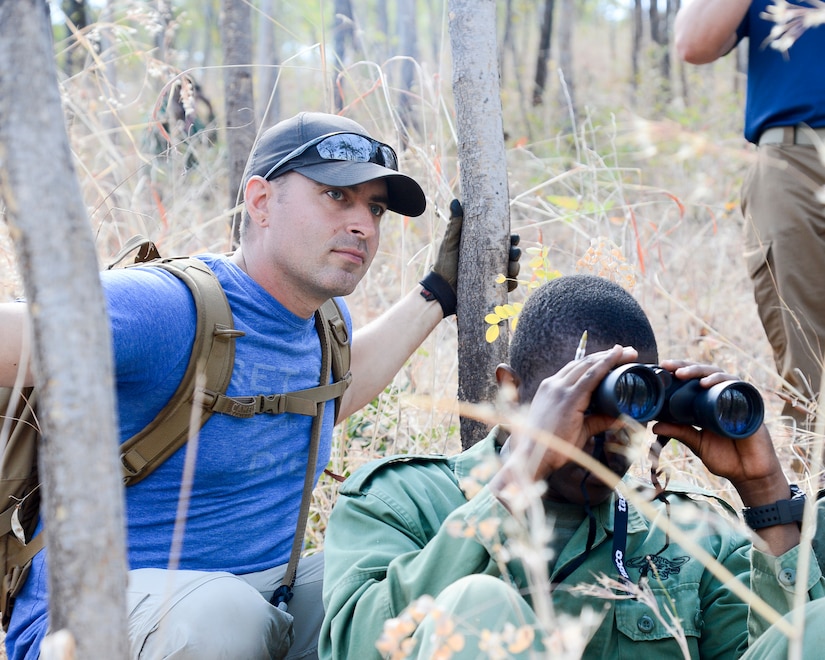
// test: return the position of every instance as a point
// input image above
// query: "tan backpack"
(213, 354)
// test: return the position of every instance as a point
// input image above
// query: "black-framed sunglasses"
(343, 146)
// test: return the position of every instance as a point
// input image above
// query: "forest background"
(621, 161)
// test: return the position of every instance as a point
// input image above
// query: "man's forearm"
(380, 348)
(705, 30)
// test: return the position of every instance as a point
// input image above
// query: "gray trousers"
(204, 615)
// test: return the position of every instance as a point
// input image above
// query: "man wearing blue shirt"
(315, 191)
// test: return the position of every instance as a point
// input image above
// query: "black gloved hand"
(440, 283)
(513, 265)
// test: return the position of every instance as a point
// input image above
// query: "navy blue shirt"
(784, 89)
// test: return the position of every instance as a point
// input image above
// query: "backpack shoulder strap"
(209, 371)
(331, 317)
(328, 321)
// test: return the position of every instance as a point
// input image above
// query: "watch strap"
(781, 512)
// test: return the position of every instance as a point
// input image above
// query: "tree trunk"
(660, 33)
(506, 41)
(342, 32)
(567, 90)
(485, 238)
(82, 498)
(267, 57)
(383, 20)
(236, 31)
(165, 33)
(544, 52)
(655, 22)
(76, 15)
(638, 36)
(408, 49)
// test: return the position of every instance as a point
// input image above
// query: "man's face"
(319, 239)
(565, 484)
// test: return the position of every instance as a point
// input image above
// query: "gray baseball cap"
(334, 151)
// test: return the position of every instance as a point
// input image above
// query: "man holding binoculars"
(412, 532)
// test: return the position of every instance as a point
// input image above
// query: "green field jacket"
(395, 534)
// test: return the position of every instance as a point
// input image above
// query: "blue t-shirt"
(784, 89)
(249, 473)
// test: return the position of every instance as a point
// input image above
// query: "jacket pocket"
(637, 621)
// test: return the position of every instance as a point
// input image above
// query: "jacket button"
(787, 577)
(646, 624)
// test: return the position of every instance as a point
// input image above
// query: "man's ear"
(508, 380)
(256, 197)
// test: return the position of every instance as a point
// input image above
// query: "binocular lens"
(634, 395)
(738, 409)
(733, 410)
(633, 390)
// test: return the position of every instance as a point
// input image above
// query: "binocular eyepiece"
(733, 409)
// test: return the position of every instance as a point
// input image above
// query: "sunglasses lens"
(357, 148)
(388, 156)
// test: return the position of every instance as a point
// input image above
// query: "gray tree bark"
(82, 499)
(408, 49)
(546, 30)
(484, 192)
(343, 32)
(267, 59)
(241, 129)
(635, 53)
(564, 36)
(76, 13)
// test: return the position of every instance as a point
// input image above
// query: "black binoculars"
(645, 392)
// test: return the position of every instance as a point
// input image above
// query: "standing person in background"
(784, 240)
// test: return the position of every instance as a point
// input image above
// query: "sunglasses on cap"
(343, 146)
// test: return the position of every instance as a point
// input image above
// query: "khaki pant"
(206, 616)
(784, 243)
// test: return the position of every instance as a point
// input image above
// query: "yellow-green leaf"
(565, 202)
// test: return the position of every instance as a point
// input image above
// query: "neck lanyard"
(620, 525)
(620, 520)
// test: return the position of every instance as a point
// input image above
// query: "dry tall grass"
(644, 191)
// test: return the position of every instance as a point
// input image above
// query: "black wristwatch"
(781, 512)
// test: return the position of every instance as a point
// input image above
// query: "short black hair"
(557, 313)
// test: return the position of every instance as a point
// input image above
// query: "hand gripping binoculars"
(733, 409)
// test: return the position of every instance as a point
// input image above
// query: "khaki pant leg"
(306, 605)
(197, 615)
(784, 243)
(468, 611)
